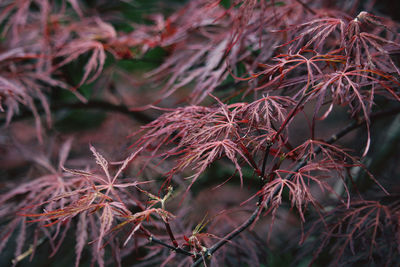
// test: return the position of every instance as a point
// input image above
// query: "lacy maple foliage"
(244, 132)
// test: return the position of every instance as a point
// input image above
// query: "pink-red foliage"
(266, 86)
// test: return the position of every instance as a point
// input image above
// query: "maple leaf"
(363, 229)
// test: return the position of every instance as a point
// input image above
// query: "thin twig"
(350, 127)
(230, 236)
(28, 252)
(264, 163)
(170, 233)
(95, 104)
(306, 7)
(154, 239)
(289, 117)
(176, 249)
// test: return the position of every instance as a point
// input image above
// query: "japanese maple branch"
(352, 126)
(264, 163)
(28, 252)
(230, 236)
(166, 222)
(95, 104)
(171, 235)
(176, 249)
(306, 7)
(154, 239)
(289, 117)
(105, 106)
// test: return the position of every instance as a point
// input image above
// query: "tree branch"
(154, 239)
(306, 7)
(230, 236)
(94, 104)
(176, 249)
(350, 127)
(171, 234)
